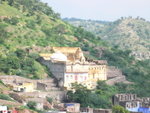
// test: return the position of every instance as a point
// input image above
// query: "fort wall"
(113, 72)
(55, 95)
(115, 80)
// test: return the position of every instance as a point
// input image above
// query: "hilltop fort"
(69, 65)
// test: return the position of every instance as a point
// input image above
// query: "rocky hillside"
(126, 33)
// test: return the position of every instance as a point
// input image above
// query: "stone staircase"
(51, 85)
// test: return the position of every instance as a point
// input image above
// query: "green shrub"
(14, 20)
(30, 24)
(5, 97)
(32, 104)
(119, 109)
(50, 100)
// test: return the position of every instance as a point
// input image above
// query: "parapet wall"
(113, 72)
(116, 80)
(131, 101)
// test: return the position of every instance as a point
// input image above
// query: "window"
(76, 77)
(71, 76)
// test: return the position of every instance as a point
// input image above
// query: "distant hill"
(93, 26)
(126, 33)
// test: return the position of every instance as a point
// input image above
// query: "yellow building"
(69, 65)
(24, 87)
(85, 74)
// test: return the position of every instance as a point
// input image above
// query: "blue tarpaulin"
(69, 104)
(144, 110)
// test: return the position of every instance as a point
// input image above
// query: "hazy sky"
(101, 9)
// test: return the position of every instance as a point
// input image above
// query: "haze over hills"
(126, 33)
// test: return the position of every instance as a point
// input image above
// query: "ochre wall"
(98, 72)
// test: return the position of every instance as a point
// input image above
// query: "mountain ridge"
(126, 33)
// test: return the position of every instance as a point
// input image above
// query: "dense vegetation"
(135, 71)
(22, 64)
(98, 98)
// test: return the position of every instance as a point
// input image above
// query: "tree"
(119, 109)
(31, 24)
(38, 19)
(81, 95)
(10, 2)
(20, 53)
(13, 62)
(14, 20)
(101, 85)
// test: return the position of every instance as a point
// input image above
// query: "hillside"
(23, 25)
(126, 33)
(28, 23)
(37, 24)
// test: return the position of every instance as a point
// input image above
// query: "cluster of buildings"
(133, 103)
(68, 65)
(75, 108)
(25, 90)
(21, 84)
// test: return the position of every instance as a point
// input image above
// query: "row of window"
(98, 68)
(76, 77)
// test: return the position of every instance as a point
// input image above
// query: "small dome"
(58, 56)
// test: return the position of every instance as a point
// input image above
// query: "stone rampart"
(116, 80)
(113, 72)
